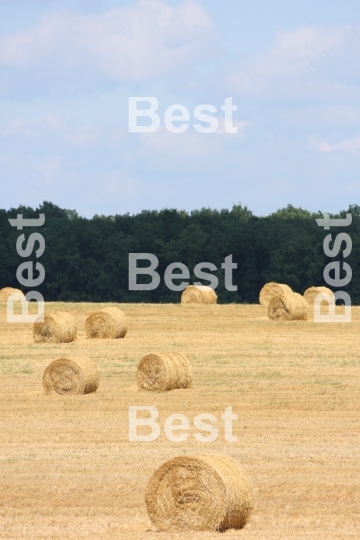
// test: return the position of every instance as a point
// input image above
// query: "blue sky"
(68, 68)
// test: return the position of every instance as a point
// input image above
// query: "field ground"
(68, 470)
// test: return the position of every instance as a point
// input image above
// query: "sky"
(68, 69)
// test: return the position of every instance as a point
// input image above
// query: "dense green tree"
(87, 259)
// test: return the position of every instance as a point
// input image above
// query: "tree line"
(87, 260)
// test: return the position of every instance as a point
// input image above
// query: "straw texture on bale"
(56, 328)
(72, 375)
(198, 294)
(8, 291)
(199, 493)
(163, 372)
(272, 289)
(288, 307)
(311, 293)
(109, 322)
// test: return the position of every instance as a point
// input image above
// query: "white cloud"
(127, 45)
(312, 117)
(296, 53)
(309, 62)
(239, 124)
(349, 146)
(20, 126)
(49, 130)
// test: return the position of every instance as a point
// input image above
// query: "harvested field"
(68, 470)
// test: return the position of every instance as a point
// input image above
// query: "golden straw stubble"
(199, 493)
(272, 289)
(8, 291)
(56, 328)
(71, 375)
(106, 323)
(311, 293)
(163, 372)
(198, 294)
(288, 307)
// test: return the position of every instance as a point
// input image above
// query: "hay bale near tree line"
(56, 328)
(198, 294)
(311, 293)
(8, 291)
(163, 372)
(199, 493)
(106, 323)
(288, 307)
(272, 289)
(72, 375)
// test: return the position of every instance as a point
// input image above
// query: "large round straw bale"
(73, 375)
(288, 307)
(56, 328)
(199, 493)
(164, 371)
(8, 291)
(109, 322)
(272, 289)
(198, 294)
(311, 293)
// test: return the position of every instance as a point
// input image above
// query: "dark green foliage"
(87, 259)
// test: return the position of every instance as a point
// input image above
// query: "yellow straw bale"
(311, 293)
(163, 372)
(288, 307)
(72, 375)
(56, 328)
(272, 289)
(199, 493)
(106, 323)
(8, 291)
(198, 294)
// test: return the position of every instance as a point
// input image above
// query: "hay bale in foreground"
(72, 375)
(288, 307)
(8, 291)
(198, 294)
(199, 493)
(272, 289)
(163, 372)
(311, 293)
(56, 328)
(108, 322)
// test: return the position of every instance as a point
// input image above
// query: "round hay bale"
(56, 328)
(272, 289)
(198, 294)
(311, 293)
(163, 372)
(109, 322)
(288, 307)
(72, 375)
(199, 493)
(8, 291)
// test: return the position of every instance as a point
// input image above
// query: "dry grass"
(68, 470)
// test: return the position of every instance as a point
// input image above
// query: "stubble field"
(69, 471)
